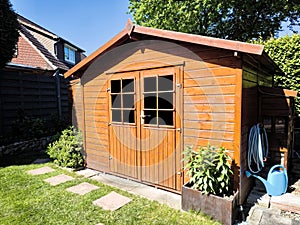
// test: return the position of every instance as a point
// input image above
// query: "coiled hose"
(257, 147)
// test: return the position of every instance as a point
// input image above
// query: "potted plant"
(208, 189)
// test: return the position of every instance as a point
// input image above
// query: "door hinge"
(179, 130)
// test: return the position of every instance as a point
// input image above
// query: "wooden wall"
(211, 88)
(251, 114)
(34, 93)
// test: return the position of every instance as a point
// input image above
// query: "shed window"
(159, 98)
(69, 54)
(122, 101)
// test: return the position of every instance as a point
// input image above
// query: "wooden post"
(290, 130)
(58, 94)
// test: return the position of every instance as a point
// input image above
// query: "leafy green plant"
(67, 150)
(209, 169)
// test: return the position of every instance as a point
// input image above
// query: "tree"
(8, 32)
(285, 52)
(231, 19)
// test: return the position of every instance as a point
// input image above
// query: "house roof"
(26, 27)
(55, 63)
(31, 25)
(135, 30)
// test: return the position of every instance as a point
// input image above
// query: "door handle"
(144, 116)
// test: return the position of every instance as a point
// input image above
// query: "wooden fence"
(34, 93)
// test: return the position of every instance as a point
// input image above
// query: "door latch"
(145, 116)
(179, 130)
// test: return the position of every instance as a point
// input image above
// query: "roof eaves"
(72, 45)
(172, 35)
(202, 40)
(125, 32)
(27, 23)
(27, 67)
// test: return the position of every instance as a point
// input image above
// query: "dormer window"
(69, 54)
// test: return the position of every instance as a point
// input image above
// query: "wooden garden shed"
(146, 94)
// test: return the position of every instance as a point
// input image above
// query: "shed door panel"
(159, 125)
(144, 136)
(123, 125)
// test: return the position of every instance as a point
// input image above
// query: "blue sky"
(87, 24)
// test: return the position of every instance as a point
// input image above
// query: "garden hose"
(257, 147)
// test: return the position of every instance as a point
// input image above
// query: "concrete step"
(287, 202)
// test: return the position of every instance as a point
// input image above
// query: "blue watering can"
(277, 180)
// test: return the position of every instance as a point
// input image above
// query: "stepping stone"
(112, 201)
(87, 172)
(62, 178)
(40, 161)
(82, 188)
(43, 170)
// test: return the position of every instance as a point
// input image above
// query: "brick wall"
(28, 55)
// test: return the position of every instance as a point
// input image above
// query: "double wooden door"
(145, 126)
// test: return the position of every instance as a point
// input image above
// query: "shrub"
(67, 150)
(209, 169)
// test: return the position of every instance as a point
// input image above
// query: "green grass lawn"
(27, 199)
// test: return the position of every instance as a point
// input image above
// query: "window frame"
(121, 94)
(157, 92)
(67, 53)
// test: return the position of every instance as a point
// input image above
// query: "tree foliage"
(8, 32)
(231, 19)
(285, 52)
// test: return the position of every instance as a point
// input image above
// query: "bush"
(68, 149)
(26, 128)
(30, 127)
(209, 169)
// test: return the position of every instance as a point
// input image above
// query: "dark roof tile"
(54, 61)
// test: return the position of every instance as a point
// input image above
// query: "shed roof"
(131, 30)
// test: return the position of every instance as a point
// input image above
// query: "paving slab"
(87, 172)
(173, 200)
(274, 219)
(82, 188)
(287, 202)
(112, 201)
(118, 182)
(43, 170)
(255, 215)
(62, 178)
